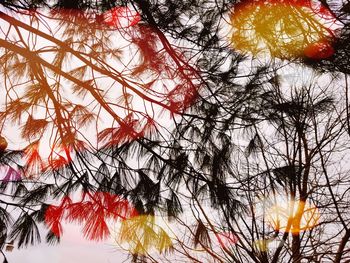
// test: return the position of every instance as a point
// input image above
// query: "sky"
(73, 248)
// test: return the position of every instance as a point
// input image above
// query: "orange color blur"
(279, 215)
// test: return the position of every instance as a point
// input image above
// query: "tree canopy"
(206, 131)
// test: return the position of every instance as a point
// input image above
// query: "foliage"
(166, 118)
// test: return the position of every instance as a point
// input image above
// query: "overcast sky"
(72, 249)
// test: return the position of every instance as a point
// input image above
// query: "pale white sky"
(74, 248)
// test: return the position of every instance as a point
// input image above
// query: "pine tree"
(251, 168)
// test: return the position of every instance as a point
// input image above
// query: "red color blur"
(319, 50)
(93, 212)
(121, 17)
(226, 239)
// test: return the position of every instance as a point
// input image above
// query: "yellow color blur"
(280, 29)
(142, 235)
